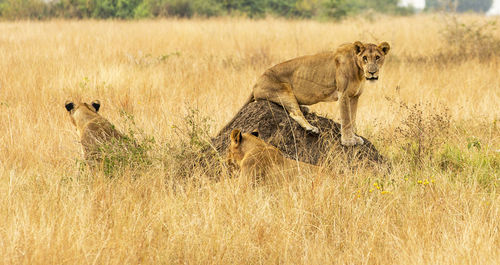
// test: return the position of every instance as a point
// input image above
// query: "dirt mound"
(277, 128)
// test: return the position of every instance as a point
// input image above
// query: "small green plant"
(452, 159)
(473, 142)
(195, 149)
(471, 164)
(129, 153)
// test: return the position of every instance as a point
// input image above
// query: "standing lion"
(321, 77)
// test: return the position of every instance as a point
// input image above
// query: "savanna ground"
(173, 83)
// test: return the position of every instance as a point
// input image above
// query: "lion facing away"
(311, 79)
(259, 160)
(94, 130)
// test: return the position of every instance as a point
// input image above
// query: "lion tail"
(249, 100)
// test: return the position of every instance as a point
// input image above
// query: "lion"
(93, 130)
(311, 79)
(259, 160)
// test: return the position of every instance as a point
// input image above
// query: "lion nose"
(372, 72)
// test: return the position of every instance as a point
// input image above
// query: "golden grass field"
(439, 207)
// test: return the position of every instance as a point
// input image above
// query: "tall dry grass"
(440, 204)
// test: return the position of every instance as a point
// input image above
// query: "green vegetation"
(129, 154)
(128, 9)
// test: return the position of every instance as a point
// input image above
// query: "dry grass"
(442, 207)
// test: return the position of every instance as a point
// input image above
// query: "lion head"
(370, 57)
(238, 145)
(81, 113)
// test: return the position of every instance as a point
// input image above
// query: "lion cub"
(94, 130)
(259, 160)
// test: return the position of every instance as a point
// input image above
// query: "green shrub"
(143, 11)
(72, 8)
(126, 8)
(342, 8)
(194, 150)
(471, 165)
(207, 8)
(131, 153)
(21, 9)
(104, 9)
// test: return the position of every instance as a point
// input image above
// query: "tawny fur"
(260, 161)
(322, 77)
(94, 130)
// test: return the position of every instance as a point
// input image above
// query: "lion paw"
(313, 129)
(359, 140)
(355, 140)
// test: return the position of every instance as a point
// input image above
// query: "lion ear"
(69, 105)
(385, 47)
(96, 104)
(255, 133)
(359, 47)
(236, 136)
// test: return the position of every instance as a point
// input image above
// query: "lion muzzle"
(371, 72)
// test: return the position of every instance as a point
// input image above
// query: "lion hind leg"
(282, 93)
(297, 115)
(292, 106)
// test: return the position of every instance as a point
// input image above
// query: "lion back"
(97, 135)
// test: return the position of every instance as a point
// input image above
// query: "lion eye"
(377, 57)
(365, 59)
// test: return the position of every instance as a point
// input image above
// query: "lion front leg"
(354, 108)
(347, 135)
